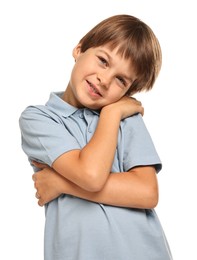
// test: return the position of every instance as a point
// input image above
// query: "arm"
(136, 188)
(89, 167)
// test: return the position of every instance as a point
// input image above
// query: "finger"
(136, 100)
(142, 111)
(37, 195)
(39, 165)
(40, 203)
(34, 177)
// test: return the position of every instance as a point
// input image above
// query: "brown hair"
(135, 41)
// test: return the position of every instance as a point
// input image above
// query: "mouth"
(93, 89)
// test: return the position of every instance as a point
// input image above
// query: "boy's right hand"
(48, 183)
(125, 107)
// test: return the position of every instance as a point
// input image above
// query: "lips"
(93, 89)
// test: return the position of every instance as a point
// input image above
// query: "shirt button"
(89, 130)
(81, 115)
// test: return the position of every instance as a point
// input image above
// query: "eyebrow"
(123, 75)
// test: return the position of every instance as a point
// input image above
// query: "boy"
(99, 185)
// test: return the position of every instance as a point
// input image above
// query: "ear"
(76, 51)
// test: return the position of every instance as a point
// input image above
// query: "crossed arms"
(86, 174)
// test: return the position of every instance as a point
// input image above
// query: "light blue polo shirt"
(78, 229)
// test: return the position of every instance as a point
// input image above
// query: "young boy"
(99, 185)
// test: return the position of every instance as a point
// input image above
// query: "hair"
(135, 41)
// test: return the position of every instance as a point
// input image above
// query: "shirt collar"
(60, 106)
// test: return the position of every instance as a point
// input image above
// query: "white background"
(36, 41)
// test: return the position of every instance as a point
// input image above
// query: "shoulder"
(133, 122)
(139, 148)
(38, 112)
(31, 110)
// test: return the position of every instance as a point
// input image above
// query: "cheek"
(77, 73)
(114, 96)
(84, 63)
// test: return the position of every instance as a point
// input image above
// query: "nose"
(104, 79)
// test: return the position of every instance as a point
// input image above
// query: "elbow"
(152, 203)
(152, 198)
(94, 182)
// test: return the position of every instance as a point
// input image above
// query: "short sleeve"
(44, 136)
(139, 149)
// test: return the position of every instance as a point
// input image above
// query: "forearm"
(122, 189)
(98, 155)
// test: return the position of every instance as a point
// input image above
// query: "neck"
(70, 98)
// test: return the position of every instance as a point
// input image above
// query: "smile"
(93, 90)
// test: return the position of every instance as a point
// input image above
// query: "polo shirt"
(77, 229)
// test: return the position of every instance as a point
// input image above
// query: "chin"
(92, 106)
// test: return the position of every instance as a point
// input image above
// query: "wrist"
(110, 111)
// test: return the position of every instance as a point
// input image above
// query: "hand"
(48, 184)
(125, 107)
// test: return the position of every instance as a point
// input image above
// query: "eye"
(103, 60)
(122, 81)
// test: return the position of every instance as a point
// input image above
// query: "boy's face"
(99, 77)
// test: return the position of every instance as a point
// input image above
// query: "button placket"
(89, 118)
(81, 115)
